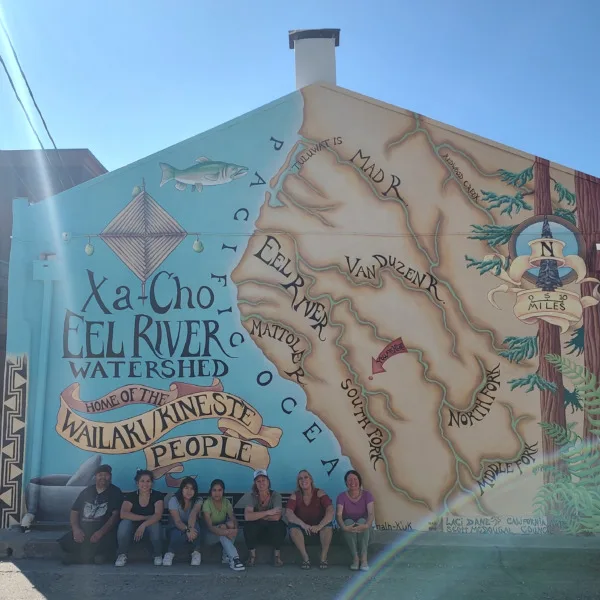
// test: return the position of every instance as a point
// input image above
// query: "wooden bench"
(233, 498)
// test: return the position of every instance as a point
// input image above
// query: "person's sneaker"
(224, 559)
(121, 560)
(236, 564)
(196, 558)
(168, 559)
(158, 561)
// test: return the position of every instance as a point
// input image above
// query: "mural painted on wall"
(12, 439)
(338, 285)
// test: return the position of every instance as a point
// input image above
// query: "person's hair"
(216, 482)
(353, 472)
(312, 481)
(179, 493)
(141, 472)
(255, 489)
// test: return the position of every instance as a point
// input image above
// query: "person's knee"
(155, 531)
(176, 536)
(361, 521)
(125, 527)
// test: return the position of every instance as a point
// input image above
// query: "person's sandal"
(305, 564)
(323, 564)
(277, 562)
(251, 560)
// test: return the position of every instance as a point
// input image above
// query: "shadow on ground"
(414, 573)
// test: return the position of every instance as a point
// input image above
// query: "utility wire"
(18, 63)
(12, 84)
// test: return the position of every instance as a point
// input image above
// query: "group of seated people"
(105, 522)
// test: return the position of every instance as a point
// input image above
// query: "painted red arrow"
(393, 348)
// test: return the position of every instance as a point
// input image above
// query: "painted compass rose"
(549, 254)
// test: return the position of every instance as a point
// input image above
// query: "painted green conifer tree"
(553, 396)
(587, 189)
(571, 499)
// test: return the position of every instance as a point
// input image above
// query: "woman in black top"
(141, 513)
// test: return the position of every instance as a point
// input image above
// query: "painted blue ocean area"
(217, 217)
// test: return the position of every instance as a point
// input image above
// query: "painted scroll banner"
(243, 440)
(134, 394)
(559, 307)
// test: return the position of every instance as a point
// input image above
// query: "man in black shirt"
(94, 519)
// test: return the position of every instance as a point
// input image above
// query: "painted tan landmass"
(360, 263)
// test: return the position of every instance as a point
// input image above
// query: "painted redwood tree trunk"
(552, 403)
(587, 192)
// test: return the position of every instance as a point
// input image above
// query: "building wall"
(35, 175)
(352, 286)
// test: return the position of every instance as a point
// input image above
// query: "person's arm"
(159, 509)
(231, 516)
(370, 514)
(194, 515)
(232, 525)
(179, 524)
(126, 513)
(276, 512)
(220, 531)
(329, 510)
(290, 513)
(75, 516)
(98, 535)
(249, 513)
(78, 534)
(340, 520)
(190, 530)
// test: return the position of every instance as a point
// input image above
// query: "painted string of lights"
(142, 235)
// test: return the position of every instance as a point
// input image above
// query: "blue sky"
(128, 78)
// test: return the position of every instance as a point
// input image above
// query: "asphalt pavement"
(415, 573)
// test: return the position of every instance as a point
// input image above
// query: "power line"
(39, 111)
(12, 85)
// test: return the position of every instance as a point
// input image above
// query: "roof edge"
(444, 126)
(107, 175)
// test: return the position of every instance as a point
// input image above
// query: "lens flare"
(358, 586)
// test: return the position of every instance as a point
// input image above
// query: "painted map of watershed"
(354, 285)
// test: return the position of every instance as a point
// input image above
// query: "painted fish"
(204, 172)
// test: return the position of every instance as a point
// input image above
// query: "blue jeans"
(178, 539)
(228, 546)
(125, 536)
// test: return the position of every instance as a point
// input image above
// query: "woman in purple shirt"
(355, 514)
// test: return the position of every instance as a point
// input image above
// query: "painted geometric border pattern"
(12, 439)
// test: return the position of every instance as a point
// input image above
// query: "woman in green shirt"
(221, 524)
